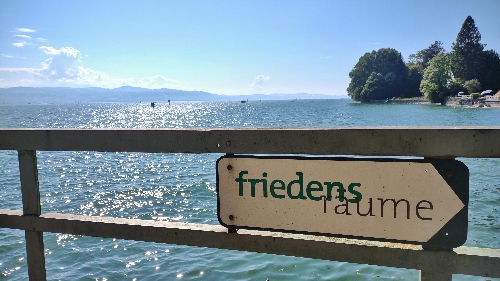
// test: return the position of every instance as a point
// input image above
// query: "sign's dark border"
(455, 173)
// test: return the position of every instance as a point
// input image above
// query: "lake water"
(181, 187)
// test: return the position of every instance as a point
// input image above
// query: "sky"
(221, 47)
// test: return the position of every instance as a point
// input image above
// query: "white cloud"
(27, 39)
(12, 77)
(89, 77)
(20, 44)
(19, 69)
(41, 39)
(59, 65)
(67, 51)
(62, 68)
(7, 56)
(25, 30)
(154, 82)
(258, 82)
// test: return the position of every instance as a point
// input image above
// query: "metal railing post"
(31, 207)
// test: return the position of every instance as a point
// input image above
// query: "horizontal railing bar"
(476, 142)
(463, 260)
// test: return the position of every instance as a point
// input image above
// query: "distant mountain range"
(24, 95)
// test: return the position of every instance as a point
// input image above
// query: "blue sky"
(222, 47)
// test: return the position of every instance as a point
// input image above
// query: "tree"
(490, 74)
(391, 67)
(466, 55)
(473, 86)
(374, 88)
(359, 74)
(413, 80)
(422, 57)
(437, 80)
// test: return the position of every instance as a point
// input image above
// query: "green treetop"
(472, 86)
(422, 57)
(378, 75)
(466, 55)
(437, 81)
(490, 74)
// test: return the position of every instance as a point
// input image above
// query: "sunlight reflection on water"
(181, 187)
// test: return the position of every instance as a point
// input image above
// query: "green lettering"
(240, 180)
(300, 182)
(357, 194)
(264, 184)
(330, 186)
(254, 182)
(274, 187)
(310, 189)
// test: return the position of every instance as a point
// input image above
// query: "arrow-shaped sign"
(414, 201)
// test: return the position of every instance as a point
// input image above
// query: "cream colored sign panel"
(389, 200)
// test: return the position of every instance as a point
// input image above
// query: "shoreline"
(453, 103)
(396, 101)
(473, 103)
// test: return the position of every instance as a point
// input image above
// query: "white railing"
(429, 142)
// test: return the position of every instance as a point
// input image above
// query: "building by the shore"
(466, 100)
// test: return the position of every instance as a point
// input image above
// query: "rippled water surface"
(181, 187)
